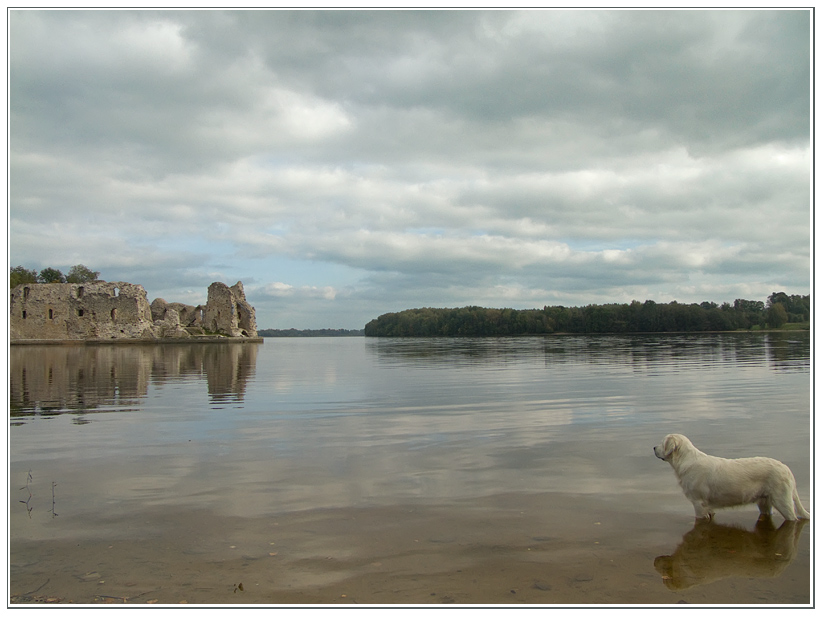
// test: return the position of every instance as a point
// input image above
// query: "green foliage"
(51, 275)
(798, 308)
(19, 275)
(606, 318)
(467, 321)
(77, 274)
(82, 274)
(776, 315)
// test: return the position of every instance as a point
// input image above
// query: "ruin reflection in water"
(710, 552)
(49, 380)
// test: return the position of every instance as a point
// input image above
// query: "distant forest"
(295, 333)
(780, 310)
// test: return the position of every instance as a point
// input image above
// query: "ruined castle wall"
(246, 319)
(228, 312)
(103, 311)
(77, 311)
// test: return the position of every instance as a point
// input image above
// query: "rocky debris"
(118, 310)
(158, 309)
(169, 326)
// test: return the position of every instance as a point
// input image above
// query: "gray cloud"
(346, 163)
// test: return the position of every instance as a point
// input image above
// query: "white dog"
(711, 482)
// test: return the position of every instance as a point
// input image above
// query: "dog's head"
(671, 445)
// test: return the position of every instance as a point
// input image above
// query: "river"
(401, 471)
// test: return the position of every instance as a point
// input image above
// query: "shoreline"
(633, 333)
(258, 340)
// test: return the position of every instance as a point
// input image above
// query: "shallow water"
(400, 471)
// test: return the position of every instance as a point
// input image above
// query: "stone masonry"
(227, 311)
(118, 310)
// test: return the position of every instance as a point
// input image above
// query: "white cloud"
(389, 159)
(284, 290)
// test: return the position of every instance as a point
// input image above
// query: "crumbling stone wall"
(76, 311)
(101, 310)
(228, 312)
(188, 315)
(175, 319)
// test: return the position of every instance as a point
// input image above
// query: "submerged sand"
(552, 549)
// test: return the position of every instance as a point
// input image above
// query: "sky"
(346, 164)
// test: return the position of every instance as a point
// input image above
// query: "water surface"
(400, 471)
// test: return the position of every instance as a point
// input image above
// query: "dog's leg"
(702, 511)
(765, 505)
(784, 504)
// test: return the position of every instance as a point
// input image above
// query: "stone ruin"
(226, 312)
(109, 311)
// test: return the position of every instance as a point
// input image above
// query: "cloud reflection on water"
(299, 424)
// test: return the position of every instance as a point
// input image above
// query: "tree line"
(293, 333)
(19, 275)
(637, 316)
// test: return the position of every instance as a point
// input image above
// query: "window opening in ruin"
(113, 314)
(79, 312)
(26, 291)
(80, 291)
(24, 314)
(51, 314)
(116, 291)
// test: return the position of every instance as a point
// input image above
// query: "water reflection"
(783, 351)
(51, 380)
(710, 552)
(466, 437)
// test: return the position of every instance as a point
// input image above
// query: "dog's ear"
(670, 445)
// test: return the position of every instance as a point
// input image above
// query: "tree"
(635, 317)
(19, 275)
(51, 275)
(81, 274)
(776, 316)
(798, 308)
(778, 297)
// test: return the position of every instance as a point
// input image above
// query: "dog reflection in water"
(711, 552)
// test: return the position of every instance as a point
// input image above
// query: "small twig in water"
(30, 593)
(126, 599)
(29, 507)
(53, 513)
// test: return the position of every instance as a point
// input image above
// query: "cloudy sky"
(348, 164)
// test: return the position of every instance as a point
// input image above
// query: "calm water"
(400, 471)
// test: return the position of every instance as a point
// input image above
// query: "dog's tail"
(798, 506)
